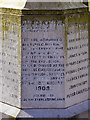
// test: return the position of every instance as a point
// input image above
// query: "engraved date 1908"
(43, 88)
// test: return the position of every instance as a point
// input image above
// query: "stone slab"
(54, 60)
(52, 38)
(43, 63)
(10, 60)
(28, 90)
(41, 4)
(45, 113)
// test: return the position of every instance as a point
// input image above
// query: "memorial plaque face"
(76, 83)
(9, 60)
(43, 63)
(44, 60)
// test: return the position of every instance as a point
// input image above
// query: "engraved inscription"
(77, 63)
(9, 62)
(43, 63)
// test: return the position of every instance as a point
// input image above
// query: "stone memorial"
(44, 56)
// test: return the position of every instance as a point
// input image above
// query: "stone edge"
(45, 113)
(22, 12)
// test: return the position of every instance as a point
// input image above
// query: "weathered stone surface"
(45, 113)
(41, 4)
(53, 58)
(44, 57)
(76, 85)
(10, 60)
(43, 62)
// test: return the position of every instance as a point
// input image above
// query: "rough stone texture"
(45, 55)
(44, 113)
(10, 60)
(76, 78)
(84, 115)
(4, 116)
(40, 4)
(43, 76)
(44, 58)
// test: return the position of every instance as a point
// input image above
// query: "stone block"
(44, 55)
